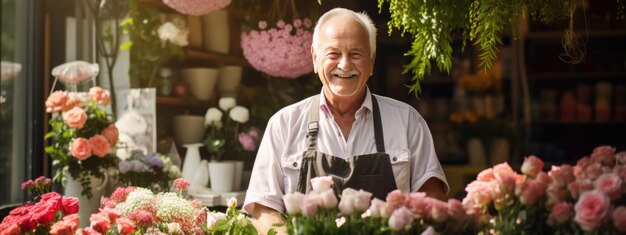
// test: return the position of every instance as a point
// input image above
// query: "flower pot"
(201, 81)
(188, 129)
(86, 205)
(229, 80)
(215, 31)
(221, 175)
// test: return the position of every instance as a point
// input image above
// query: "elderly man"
(364, 141)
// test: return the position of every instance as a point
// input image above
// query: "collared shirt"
(407, 140)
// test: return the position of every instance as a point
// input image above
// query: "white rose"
(213, 116)
(227, 102)
(240, 114)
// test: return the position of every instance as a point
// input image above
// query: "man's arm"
(433, 187)
(264, 219)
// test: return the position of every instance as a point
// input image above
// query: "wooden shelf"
(194, 54)
(182, 101)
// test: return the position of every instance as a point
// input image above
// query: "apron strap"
(313, 126)
(378, 127)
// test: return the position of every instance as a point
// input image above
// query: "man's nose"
(345, 64)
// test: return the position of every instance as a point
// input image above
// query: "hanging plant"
(196, 7)
(281, 50)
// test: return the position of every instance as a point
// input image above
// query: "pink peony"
(292, 202)
(400, 219)
(181, 184)
(111, 133)
(561, 212)
(80, 148)
(592, 209)
(611, 184)
(101, 96)
(75, 117)
(125, 226)
(619, 218)
(56, 101)
(322, 183)
(532, 166)
(99, 145)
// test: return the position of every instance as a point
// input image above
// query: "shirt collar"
(365, 109)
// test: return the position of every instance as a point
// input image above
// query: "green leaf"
(222, 225)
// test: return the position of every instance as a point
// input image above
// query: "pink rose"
(396, 198)
(400, 219)
(619, 218)
(111, 133)
(530, 191)
(125, 226)
(56, 101)
(604, 155)
(438, 210)
(322, 183)
(101, 96)
(72, 221)
(562, 175)
(578, 187)
(532, 166)
(555, 194)
(80, 148)
(70, 205)
(99, 145)
(591, 209)
(362, 201)
(75, 117)
(611, 184)
(418, 204)
(61, 227)
(486, 175)
(247, 141)
(479, 192)
(592, 171)
(292, 202)
(456, 210)
(561, 212)
(71, 103)
(310, 203)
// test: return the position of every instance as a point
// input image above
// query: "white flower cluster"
(174, 31)
(138, 198)
(171, 207)
(213, 116)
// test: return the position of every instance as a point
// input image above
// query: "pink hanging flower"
(196, 7)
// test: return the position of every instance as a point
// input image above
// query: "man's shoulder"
(298, 108)
(391, 103)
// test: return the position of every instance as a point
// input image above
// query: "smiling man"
(364, 141)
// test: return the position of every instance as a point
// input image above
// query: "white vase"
(221, 175)
(237, 175)
(476, 152)
(215, 31)
(188, 129)
(201, 175)
(201, 81)
(229, 80)
(192, 160)
(86, 205)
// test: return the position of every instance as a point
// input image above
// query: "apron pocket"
(401, 170)
(291, 171)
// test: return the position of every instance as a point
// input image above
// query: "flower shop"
(147, 116)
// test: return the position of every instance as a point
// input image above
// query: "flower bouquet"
(132, 210)
(82, 135)
(228, 133)
(151, 171)
(48, 213)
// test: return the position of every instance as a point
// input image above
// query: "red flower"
(9, 229)
(26, 184)
(45, 212)
(125, 226)
(100, 222)
(27, 223)
(70, 205)
(120, 194)
(141, 217)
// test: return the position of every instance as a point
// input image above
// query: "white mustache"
(340, 73)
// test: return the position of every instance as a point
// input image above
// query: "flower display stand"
(212, 199)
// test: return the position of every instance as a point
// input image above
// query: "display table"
(212, 199)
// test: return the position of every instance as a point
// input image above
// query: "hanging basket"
(196, 7)
(283, 51)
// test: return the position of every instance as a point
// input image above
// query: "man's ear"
(313, 56)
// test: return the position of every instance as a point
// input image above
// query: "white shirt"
(407, 140)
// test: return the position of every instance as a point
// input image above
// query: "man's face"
(342, 59)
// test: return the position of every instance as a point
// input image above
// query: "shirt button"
(395, 159)
(295, 164)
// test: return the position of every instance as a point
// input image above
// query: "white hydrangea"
(213, 117)
(138, 198)
(227, 103)
(170, 206)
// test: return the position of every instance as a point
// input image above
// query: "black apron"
(370, 172)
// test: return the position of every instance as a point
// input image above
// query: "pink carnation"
(101, 96)
(71, 103)
(70, 205)
(141, 217)
(181, 184)
(80, 148)
(75, 117)
(591, 209)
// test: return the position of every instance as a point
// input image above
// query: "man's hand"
(433, 187)
(265, 218)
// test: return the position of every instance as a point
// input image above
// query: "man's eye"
(356, 55)
(333, 55)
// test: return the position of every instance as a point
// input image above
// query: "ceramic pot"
(215, 31)
(229, 80)
(188, 129)
(201, 81)
(221, 175)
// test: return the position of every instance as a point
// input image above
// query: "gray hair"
(360, 17)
